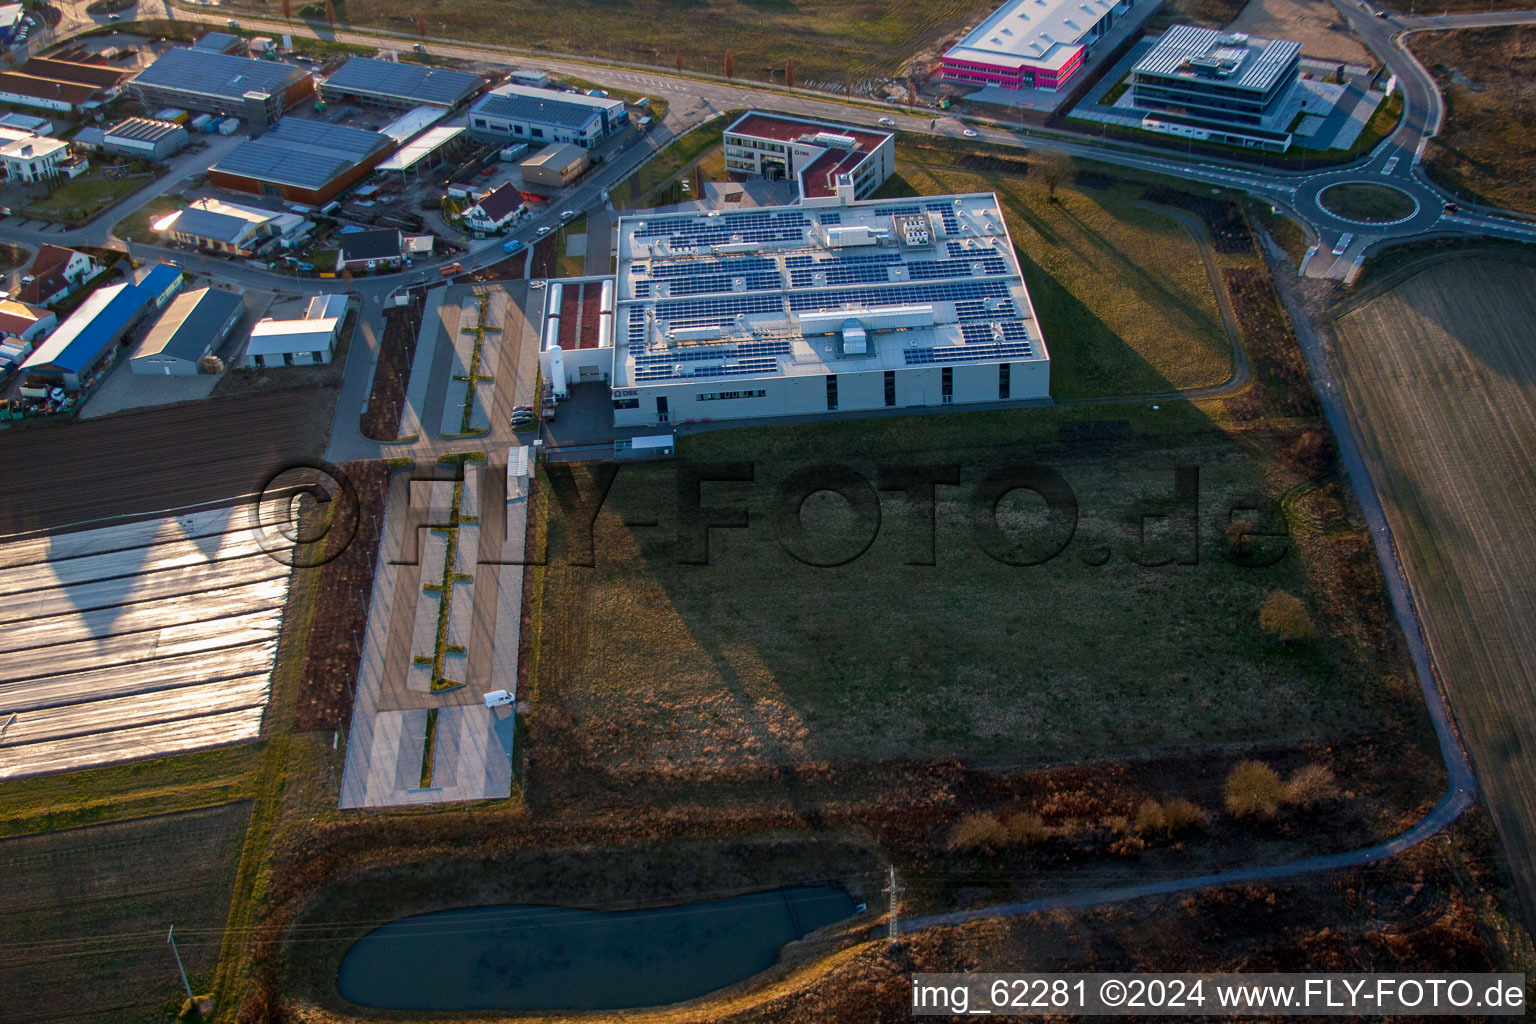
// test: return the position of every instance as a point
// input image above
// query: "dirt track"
(140, 462)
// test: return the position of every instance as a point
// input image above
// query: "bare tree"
(677, 62)
(287, 10)
(421, 24)
(730, 64)
(330, 13)
(789, 72)
(1055, 166)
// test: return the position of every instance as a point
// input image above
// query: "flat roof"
(210, 73)
(31, 147)
(301, 154)
(722, 299)
(219, 41)
(413, 122)
(558, 155)
(844, 147)
(543, 106)
(1038, 33)
(414, 83)
(190, 324)
(1225, 58)
(143, 129)
(421, 147)
(275, 337)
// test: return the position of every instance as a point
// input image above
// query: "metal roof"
(275, 337)
(190, 324)
(81, 340)
(303, 154)
(1255, 63)
(209, 218)
(542, 106)
(412, 123)
(209, 73)
(143, 129)
(329, 306)
(219, 41)
(161, 278)
(382, 244)
(414, 83)
(422, 146)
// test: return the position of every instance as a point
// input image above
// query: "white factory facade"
(831, 305)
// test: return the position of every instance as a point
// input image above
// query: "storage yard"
(135, 640)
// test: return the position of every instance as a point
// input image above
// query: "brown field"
(1442, 378)
(863, 38)
(1315, 24)
(84, 915)
(1486, 150)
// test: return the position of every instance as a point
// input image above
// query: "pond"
(526, 957)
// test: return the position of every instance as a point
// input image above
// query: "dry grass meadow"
(1442, 376)
(1488, 78)
(1315, 24)
(1123, 293)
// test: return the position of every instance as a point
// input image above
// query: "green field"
(656, 182)
(85, 196)
(1375, 204)
(137, 224)
(85, 914)
(1121, 288)
(1439, 368)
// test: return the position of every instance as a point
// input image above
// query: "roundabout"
(1368, 203)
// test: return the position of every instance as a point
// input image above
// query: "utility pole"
(893, 930)
(170, 937)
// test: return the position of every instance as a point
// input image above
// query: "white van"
(498, 698)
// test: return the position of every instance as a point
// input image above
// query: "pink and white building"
(1032, 44)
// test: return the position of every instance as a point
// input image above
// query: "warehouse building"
(302, 161)
(540, 116)
(83, 344)
(555, 166)
(144, 138)
(831, 306)
(306, 342)
(422, 153)
(107, 80)
(386, 83)
(813, 153)
(229, 228)
(257, 90)
(1224, 87)
(47, 94)
(192, 326)
(1032, 44)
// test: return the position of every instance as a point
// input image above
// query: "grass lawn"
(76, 200)
(1375, 204)
(1439, 369)
(137, 224)
(1285, 231)
(1123, 297)
(567, 265)
(1486, 150)
(90, 907)
(655, 183)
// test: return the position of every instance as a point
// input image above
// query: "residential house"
(495, 210)
(55, 275)
(371, 250)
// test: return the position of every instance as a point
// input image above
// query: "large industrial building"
(1224, 87)
(302, 161)
(62, 85)
(143, 138)
(204, 79)
(83, 344)
(1032, 44)
(191, 327)
(812, 153)
(388, 83)
(832, 305)
(543, 116)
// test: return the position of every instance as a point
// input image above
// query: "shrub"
(1179, 815)
(1150, 818)
(1285, 617)
(1253, 790)
(1026, 828)
(1238, 533)
(1310, 787)
(981, 832)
